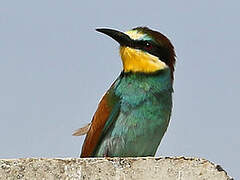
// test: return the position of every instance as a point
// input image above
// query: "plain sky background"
(55, 67)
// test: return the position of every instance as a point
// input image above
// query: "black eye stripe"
(143, 44)
(152, 48)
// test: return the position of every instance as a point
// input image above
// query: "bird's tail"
(83, 130)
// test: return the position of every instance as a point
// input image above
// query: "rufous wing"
(104, 116)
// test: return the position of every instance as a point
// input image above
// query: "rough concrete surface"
(175, 168)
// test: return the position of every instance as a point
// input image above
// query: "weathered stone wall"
(178, 168)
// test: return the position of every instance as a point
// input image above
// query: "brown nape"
(164, 42)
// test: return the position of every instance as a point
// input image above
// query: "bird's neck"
(161, 80)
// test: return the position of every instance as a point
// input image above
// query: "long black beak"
(121, 38)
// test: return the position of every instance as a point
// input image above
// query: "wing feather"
(100, 122)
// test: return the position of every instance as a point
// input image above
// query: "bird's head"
(143, 50)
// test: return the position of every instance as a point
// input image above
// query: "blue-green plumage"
(143, 113)
(134, 114)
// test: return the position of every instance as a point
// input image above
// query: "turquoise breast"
(143, 118)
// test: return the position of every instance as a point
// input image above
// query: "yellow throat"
(135, 60)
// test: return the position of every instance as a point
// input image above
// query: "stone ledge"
(168, 168)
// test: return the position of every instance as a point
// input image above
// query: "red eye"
(148, 46)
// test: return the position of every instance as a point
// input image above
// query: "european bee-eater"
(134, 114)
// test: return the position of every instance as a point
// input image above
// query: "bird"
(133, 115)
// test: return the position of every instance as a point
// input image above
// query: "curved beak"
(122, 38)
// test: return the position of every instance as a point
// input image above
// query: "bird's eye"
(148, 46)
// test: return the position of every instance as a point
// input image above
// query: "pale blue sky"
(54, 68)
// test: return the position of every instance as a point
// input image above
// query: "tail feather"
(83, 130)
